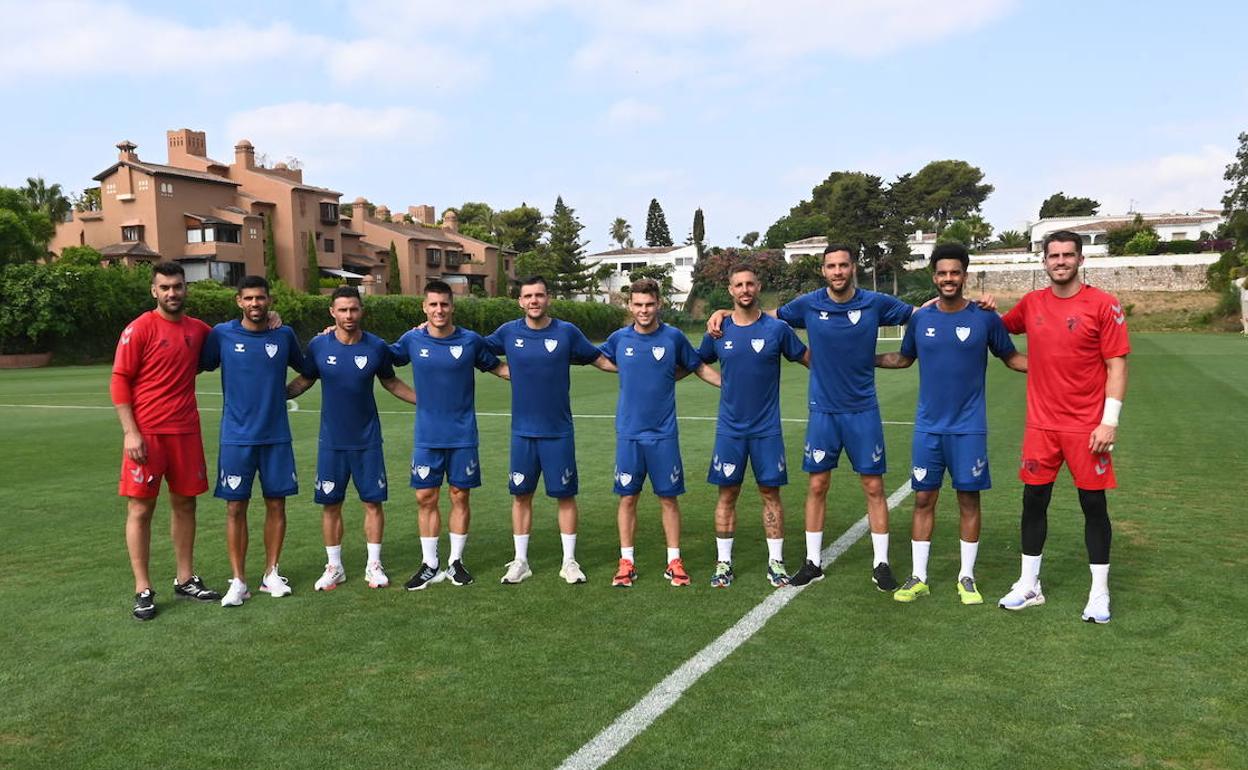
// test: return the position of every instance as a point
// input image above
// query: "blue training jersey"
(952, 351)
(445, 384)
(253, 380)
(647, 405)
(842, 345)
(540, 383)
(348, 409)
(749, 356)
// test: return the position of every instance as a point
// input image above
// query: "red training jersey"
(1068, 341)
(159, 359)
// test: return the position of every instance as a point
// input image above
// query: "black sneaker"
(423, 578)
(883, 578)
(458, 574)
(809, 573)
(194, 588)
(145, 604)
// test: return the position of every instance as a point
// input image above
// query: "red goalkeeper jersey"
(1068, 341)
(158, 360)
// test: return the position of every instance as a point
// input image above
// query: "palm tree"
(49, 199)
(620, 231)
(1011, 239)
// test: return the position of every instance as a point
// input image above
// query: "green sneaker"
(967, 591)
(777, 575)
(910, 590)
(723, 575)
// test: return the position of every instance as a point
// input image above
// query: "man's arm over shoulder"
(398, 388)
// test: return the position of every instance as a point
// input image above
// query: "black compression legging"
(1097, 532)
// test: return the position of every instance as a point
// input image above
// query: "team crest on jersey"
(854, 315)
(457, 351)
(421, 471)
(1071, 322)
(331, 360)
(919, 473)
(550, 348)
(517, 478)
(519, 342)
(240, 347)
(729, 469)
(657, 352)
(963, 332)
(233, 481)
(361, 362)
(758, 344)
(270, 348)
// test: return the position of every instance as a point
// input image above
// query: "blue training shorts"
(335, 467)
(965, 455)
(860, 434)
(237, 465)
(657, 458)
(765, 455)
(551, 458)
(459, 465)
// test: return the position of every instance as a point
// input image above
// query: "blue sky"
(738, 107)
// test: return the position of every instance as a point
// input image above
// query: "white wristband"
(1113, 408)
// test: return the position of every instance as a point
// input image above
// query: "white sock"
(457, 545)
(1031, 570)
(723, 548)
(775, 548)
(969, 552)
(673, 553)
(569, 546)
(429, 551)
(919, 549)
(374, 552)
(333, 554)
(879, 548)
(814, 548)
(626, 552)
(1100, 579)
(522, 547)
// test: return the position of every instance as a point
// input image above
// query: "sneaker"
(375, 575)
(517, 572)
(777, 575)
(145, 604)
(331, 578)
(910, 590)
(883, 578)
(625, 575)
(675, 572)
(968, 592)
(1022, 596)
(572, 572)
(424, 577)
(236, 595)
(274, 584)
(458, 574)
(1097, 609)
(194, 588)
(809, 573)
(723, 575)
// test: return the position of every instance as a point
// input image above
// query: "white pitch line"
(633, 722)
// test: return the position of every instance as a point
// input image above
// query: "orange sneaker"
(676, 573)
(625, 575)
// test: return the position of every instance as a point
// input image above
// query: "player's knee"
(925, 501)
(873, 485)
(1093, 503)
(819, 483)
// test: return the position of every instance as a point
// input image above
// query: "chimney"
(450, 220)
(184, 143)
(359, 213)
(127, 151)
(422, 214)
(244, 154)
(383, 213)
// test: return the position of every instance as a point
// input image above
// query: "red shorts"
(178, 457)
(1045, 450)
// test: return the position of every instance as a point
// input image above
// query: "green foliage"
(750, 238)
(660, 273)
(795, 226)
(312, 284)
(88, 200)
(1058, 205)
(569, 276)
(621, 230)
(945, 190)
(1220, 273)
(1119, 237)
(520, 229)
(49, 199)
(1011, 239)
(24, 231)
(535, 263)
(80, 255)
(394, 281)
(1143, 242)
(712, 271)
(1236, 198)
(699, 233)
(270, 253)
(956, 232)
(657, 233)
(718, 299)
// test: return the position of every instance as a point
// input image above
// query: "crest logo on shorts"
(758, 344)
(325, 486)
(727, 344)
(361, 362)
(270, 348)
(817, 455)
(963, 332)
(657, 352)
(471, 469)
(919, 473)
(331, 360)
(233, 481)
(729, 469)
(854, 315)
(240, 347)
(877, 453)
(566, 477)
(517, 478)
(550, 348)
(624, 478)
(977, 469)
(421, 470)
(457, 351)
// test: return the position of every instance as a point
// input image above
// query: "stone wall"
(1112, 279)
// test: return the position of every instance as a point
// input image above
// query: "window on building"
(166, 188)
(506, 265)
(132, 233)
(229, 234)
(110, 188)
(329, 213)
(684, 261)
(454, 258)
(329, 245)
(1180, 236)
(433, 257)
(194, 235)
(252, 233)
(228, 273)
(142, 185)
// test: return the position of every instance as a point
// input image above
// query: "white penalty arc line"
(633, 722)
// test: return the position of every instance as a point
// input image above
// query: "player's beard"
(172, 305)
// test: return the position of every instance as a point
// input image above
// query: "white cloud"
(422, 67)
(1183, 181)
(632, 112)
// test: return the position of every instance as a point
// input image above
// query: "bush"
(1144, 241)
(1182, 247)
(1219, 273)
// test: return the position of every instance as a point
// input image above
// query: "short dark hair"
(532, 279)
(951, 251)
(253, 282)
(741, 267)
(347, 292)
(1062, 236)
(169, 270)
(845, 247)
(645, 286)
(439, 287)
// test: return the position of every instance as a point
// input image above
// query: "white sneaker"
(1022, 596)
(375, 575)
(238, 594)
(517, 570)
(331, 578)
(572, 572)
(1097, 609)
(275, 585)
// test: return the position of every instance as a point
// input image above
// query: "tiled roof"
(155, 169)
(131, 249)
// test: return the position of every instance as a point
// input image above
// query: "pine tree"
(314, 267)
(394, 285)
(572, 276)
(699, 232)
(270, 253)
(657, 233)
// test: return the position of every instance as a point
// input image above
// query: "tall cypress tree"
(699, 232)
(314, 267)
(657, 233)
(394, 284)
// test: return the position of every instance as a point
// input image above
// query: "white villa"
(1094, 230)
(622, 261)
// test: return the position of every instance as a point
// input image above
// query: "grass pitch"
(522, 676)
